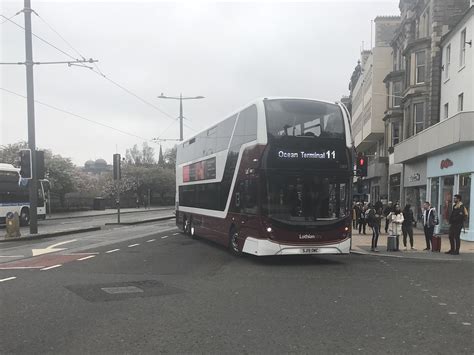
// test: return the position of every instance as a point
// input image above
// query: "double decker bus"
(14, 195)
(271, 179)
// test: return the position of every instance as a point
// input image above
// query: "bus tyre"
(233, 242)
(24, 217)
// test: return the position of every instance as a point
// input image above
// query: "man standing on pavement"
(429, 222)
(456, 221)
(386, 212)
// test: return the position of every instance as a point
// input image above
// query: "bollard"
(13, 225)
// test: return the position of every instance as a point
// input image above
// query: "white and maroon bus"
(271, 179)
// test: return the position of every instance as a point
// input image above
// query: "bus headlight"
(269, 229)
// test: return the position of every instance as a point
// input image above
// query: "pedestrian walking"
(386, 212)
(373, 220)
(362, 220)
(457, 217)
(395, 222)
(354, 216)
(407, 226)
(430, 220)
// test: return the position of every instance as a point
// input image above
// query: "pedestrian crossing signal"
(26, 168)
(362, 166)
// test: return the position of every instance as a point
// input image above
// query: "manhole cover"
(123, 290)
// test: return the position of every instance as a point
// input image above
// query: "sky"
(229, 52)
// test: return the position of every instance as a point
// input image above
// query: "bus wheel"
(233, 242)
(25, 217)
(185, 225)
(192, 230)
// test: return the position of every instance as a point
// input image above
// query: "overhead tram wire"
(98, 72)
(79, 116)
(8, 18)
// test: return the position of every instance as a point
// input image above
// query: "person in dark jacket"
(407, 226)
(456, 222)
(362, 219)
(373, 220)
(430, 220)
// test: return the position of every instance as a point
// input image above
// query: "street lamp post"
(180, 98)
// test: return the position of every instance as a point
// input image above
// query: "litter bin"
(13, 225)
(99, 204)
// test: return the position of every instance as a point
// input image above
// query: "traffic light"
(40, 164)
(26, 168)
(117, 168)
(362, 165)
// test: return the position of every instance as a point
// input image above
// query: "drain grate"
(125, 289)
(122, 290)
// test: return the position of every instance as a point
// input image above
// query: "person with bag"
(430, 220)
(373, 220)
(396, 220)
(407, 226)
(456, 223)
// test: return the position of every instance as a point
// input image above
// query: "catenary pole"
(33, 183)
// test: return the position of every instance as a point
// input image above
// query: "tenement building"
(367, 100)
(413, 86)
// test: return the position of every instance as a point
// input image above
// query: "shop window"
(465, 192)
(434, 192)
(446, 203)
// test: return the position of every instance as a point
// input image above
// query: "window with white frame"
(462, 54)
(420, 63)
(446, 110)
(396, 93)
(447, 61)
(395, 133)
(419, 117)
(461, 102)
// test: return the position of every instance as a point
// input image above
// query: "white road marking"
(442, 304)
(8, 279)
(133, 245)
(452, 313)
(433, 296)
(424, 290)
(175, 233)
(164, 237)
(466, 323)
(417, 285)
(151, 240)
(50, 267)
(51, 248)
(11, 256)
(87, 257)
(112, 251)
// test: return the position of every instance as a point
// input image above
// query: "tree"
(61, 173)
(137, 157)
(148, 154)
(10, 153)
(170, 158)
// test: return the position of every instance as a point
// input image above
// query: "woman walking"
(407, 226)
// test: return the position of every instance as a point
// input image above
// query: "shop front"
(414, 183)
(394, 190)
(450, 173)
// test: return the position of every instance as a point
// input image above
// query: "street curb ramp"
(52, 234)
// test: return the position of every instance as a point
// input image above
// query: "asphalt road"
(149, 289)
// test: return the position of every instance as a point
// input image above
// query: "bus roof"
(8, 167)
(253, 102)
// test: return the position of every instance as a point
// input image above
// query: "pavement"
(361, 244)
(86, 221)
(150, 289)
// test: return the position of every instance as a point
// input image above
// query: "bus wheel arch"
(234, 240)
(25, 216)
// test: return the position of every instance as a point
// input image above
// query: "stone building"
(367, 100)
(413, 93)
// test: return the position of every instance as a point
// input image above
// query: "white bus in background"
(14, 196)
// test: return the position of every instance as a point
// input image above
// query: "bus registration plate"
(309, 250)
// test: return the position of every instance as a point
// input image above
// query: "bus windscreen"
(303, 118)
